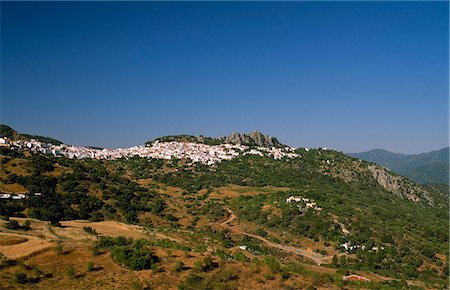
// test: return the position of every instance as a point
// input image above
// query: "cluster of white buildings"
(197, 152)
(17, 195)
(276, 153)
(349, 247)
(309, 203)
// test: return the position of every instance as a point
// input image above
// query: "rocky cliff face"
(400, 186)
(254, 138)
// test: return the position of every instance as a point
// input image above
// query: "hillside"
(6, 131)
(431, 167)
(252, 221)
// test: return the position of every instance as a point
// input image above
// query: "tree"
(27, 225)
(12, 225)
(335, 261)
(21, 277)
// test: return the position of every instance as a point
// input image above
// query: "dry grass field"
(36, 251)
(59, 257)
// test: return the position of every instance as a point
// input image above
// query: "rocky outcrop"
(400, 186)
(255, 138)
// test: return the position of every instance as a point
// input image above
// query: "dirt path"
(230, 219)
(290, 249)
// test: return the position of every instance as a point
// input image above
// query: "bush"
(261, 232)
(90, 231)
(133, 258)
(178, 266)
(90, 267)
(21, 277)
(239, 256)
(71, 272)
(37, 272)
(12, 225)
(27, 225)
(59, 249)
(273, 265)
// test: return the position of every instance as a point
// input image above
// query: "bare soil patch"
(31, 246)
(105, 228)
(233, 190)
(12, 240)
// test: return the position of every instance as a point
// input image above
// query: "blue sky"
(347, 75)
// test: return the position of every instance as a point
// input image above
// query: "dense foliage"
(131, 254)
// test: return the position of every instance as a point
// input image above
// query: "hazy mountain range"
(430, 167)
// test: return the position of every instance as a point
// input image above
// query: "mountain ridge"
(428, 167)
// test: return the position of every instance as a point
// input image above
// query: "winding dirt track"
(290, 249)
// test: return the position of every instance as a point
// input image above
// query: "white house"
(293, 198)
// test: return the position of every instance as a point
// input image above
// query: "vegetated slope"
(9, 132)
(431, 167)
(402, 226)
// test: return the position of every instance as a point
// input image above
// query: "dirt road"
(289, 249)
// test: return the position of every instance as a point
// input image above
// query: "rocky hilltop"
(254, 138)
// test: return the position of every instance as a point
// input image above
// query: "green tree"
(21, 277)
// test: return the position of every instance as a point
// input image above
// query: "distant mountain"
(6, 131)
(431, 167)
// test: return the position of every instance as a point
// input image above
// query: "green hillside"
(6, 131)
(410, 225)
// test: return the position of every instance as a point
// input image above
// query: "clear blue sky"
(347, 75)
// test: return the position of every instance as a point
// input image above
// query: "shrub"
(90, 267)
(178, 266)
(27, 225)
(37, 272)
(12, 225)
(59, 249)
(133, 258)
(198, 266)
(71, 272)
(273, 265)
(239, 256)
(90, 231)
(261, 232)
(21, 277)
